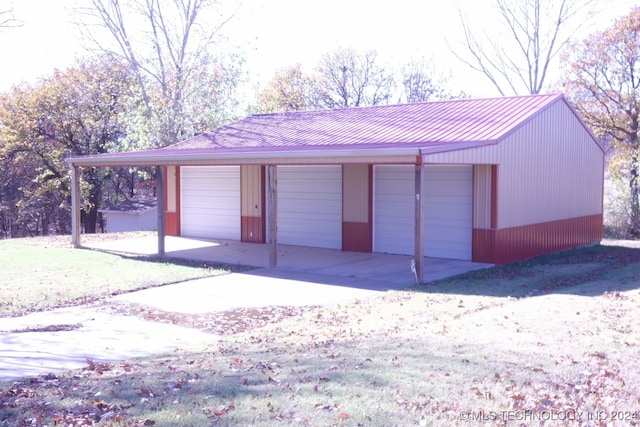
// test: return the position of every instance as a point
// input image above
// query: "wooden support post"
(75, 206)
(161, 203)
(272, 213)
(419, 230)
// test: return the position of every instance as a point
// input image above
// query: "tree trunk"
(634, 215)
(91, 217)
(44, 224)
(132, 184)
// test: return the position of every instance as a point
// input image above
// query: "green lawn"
(42, 273)
(552, 341)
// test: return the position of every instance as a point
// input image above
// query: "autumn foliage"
(602, 77)
(74, 112)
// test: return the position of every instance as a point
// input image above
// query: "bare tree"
(420, 83)
(6, 18)
(347, 78)
(535, 31)
(167, 44)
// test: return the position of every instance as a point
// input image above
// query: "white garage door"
(310, 206)
(393, 215)
(210, 202)
(447, 213)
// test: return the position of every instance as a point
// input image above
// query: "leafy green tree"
(79, 111)
(602, 77)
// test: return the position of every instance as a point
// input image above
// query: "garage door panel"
(447, 210)
(310, 206)
(448, 192)
(393, 209)
(210, 202)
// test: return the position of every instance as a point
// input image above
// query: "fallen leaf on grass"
(221, 411)
(98, 367)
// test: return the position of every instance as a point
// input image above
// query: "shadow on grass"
(586, 271)
(371, 383)
(184, 262)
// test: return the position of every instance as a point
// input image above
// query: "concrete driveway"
(62, 339)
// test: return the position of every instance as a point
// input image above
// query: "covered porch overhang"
(161, 158)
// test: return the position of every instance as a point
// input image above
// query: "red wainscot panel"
(484, 246)
(528, 241)
(357, 237)
(172, 223)
(252, 228)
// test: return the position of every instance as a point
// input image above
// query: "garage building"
(488, 180)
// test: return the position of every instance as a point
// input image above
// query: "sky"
(272, 34)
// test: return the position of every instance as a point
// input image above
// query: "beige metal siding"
(251, 181)
(489, 154)
(355, 193)
(482, 196)
(550, 169)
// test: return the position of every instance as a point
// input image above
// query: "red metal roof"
(422, 124)
(420, 127)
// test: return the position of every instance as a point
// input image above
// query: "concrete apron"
(385, 270)
(62, 339)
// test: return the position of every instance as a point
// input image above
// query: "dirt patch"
(226, 322)
(45, 328)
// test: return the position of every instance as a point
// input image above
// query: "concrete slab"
(395, 270)
(84, 333)
(241, 290)
(80, 333)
